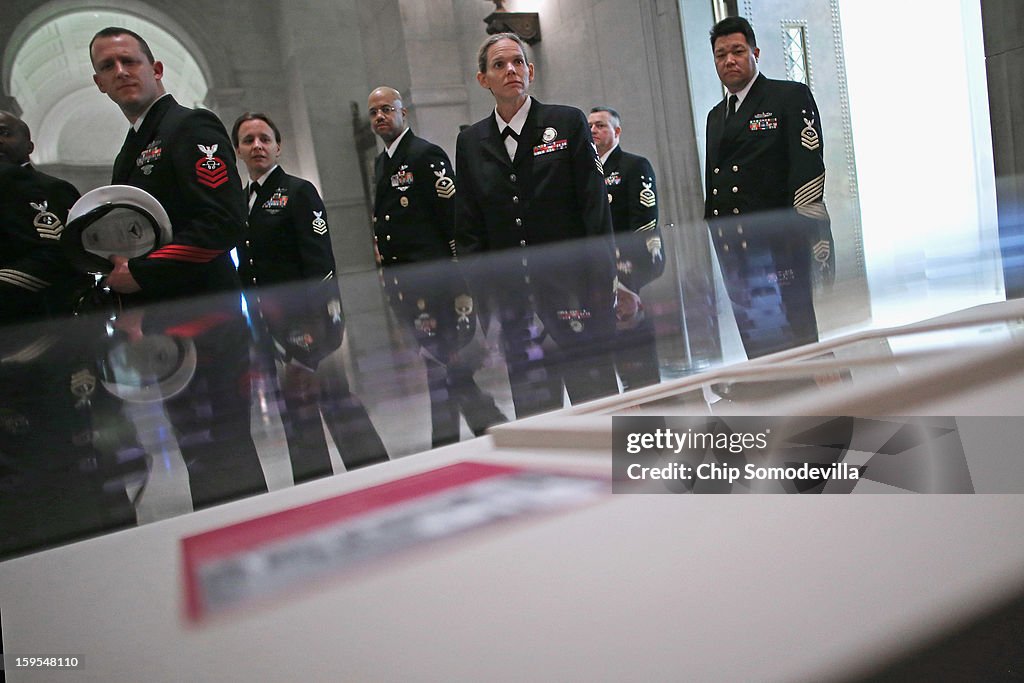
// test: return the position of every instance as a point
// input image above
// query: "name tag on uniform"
(549, 147)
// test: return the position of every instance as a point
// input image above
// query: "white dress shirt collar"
(518, 121)
(137, 126)
(604, 157)
(393, 147)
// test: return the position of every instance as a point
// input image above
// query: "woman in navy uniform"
(287, 267)
(529, 182)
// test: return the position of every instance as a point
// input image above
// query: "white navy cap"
(114, 220)
(153, 368)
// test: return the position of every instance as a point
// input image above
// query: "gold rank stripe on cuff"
(647, 226)
(815, 210)
(810, 192)
(600, 166)
(23, 280)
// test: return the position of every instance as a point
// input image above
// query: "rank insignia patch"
(46, 222)
(822, 250)
(210, 170)
(444, 185)
(464, 309)
(654, 249)
(647, 198)
(83, 384)
(809, 136)
(319, 224)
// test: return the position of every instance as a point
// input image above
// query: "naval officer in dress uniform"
(287, 268)
(57, 484)
(414, 237)
(764, 196)
(35, 278)
(183, 157)
(532, 199)
(639, 256)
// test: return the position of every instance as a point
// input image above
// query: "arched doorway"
(77, 129)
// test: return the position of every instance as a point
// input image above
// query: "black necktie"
(253, 189)
(510, 147)
(732, 107)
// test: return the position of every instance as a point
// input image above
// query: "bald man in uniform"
(414, 235)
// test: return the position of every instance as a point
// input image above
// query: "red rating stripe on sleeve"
(211, 171)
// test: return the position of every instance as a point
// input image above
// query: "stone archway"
(46, 72)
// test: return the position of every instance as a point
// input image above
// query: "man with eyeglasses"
(414, 237)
